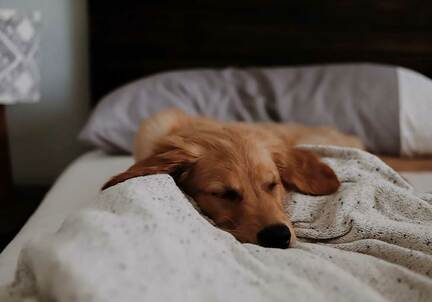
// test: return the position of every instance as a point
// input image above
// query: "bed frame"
(140, 37)
(135, 38)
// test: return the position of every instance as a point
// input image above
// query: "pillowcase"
(415, 113)
(360, 99)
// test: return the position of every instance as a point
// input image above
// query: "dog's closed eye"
(228, 194)
(271, 186)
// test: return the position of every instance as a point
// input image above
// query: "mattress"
(79, 184)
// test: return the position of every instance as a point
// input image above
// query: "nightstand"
(16, 203)
(14, 214)
(5, 170)
(7, 202)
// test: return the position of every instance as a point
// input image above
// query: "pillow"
(361, 99)
(415, 113)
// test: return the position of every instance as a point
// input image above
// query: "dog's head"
(237, 180)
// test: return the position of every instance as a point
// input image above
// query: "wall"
(43, 135)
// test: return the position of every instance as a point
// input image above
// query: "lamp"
(19, 75)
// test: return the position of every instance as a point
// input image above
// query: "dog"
(238, 173)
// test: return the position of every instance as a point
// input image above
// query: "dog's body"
(171, 121)
(238, 173)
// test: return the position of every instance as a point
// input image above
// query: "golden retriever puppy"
(238, 173)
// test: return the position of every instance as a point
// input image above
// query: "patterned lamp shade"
(19, 41)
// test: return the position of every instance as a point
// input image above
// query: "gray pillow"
(361, 99)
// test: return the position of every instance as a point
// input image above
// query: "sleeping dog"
(238, 173)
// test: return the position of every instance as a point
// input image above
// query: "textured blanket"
(144, 241)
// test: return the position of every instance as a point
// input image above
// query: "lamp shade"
(19, 42)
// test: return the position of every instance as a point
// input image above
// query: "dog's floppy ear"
(305, 171)
(170, 157)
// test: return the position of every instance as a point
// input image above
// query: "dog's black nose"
(275, 235)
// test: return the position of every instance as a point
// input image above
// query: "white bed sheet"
(79, 184)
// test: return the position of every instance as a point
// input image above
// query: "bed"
(69, 195)
(149, 37)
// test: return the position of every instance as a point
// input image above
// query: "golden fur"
(238, 173)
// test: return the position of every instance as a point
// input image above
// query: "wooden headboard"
(133, 38)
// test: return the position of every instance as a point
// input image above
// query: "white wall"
(43, 135)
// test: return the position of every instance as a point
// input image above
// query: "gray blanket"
(144, 241)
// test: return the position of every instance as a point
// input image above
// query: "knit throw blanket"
(143, 240)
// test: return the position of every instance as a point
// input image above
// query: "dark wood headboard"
(133, 38)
